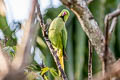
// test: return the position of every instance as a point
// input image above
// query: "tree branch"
(4, 66)
(112, 73)
(53, 52)
(116, 13)
(2, 8)
(111, 16)
(108, 31)
(112, 27)
(90, 27)
(23, 55)
(90, 62)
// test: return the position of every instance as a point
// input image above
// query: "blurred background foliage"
(76, 66)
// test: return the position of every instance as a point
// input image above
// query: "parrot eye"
(64, 13)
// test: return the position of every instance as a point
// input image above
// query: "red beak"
(64, 13)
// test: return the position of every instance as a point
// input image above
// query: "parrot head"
(64, 14)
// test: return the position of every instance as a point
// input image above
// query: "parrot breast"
(55, 32)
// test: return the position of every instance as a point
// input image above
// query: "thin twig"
(113, 24)
(114, 20)
(108, 31)
(90, 62)
(116, 13)
(53, 52)
(106, 45)
(112, 16)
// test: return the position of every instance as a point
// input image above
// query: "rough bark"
(90, 27)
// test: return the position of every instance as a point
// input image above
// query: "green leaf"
(53, 72)
(44, 70)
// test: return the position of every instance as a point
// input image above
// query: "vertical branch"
(113, 24)
(2, 8)
(90, 26)
(108, 31)
(53, 52)
(114, 21)
(23, 55)
(90, 62)
(4, 66)
(107, 24)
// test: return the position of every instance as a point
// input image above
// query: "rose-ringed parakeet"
(58, 35)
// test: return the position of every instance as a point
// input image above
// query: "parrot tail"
(60, 55)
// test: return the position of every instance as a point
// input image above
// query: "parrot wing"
(64, 41)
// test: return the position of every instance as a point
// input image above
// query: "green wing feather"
(58, 35)
(64, 41)
(64, 37)
(55, 32)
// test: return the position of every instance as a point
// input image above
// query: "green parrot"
(58, 35)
